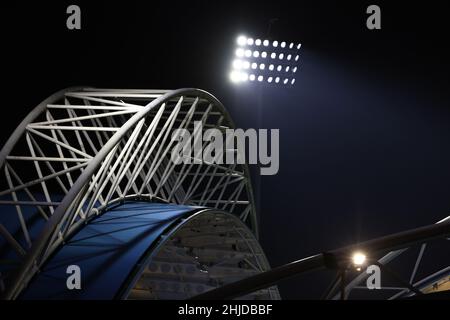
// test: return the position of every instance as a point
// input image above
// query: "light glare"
(237, 64)
(241, 40)
(359, 258)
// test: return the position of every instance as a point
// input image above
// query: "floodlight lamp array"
(264, 61)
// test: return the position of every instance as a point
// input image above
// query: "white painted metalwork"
(83, 149)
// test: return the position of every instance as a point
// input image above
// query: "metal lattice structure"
(83, 149)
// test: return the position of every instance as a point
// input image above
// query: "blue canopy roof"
(106, 250)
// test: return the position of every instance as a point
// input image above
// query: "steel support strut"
(335, 258)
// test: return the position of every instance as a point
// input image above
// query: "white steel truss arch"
(83, 149)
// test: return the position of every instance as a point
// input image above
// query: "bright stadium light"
(237, 64)
(280, 70)
(242, 40)
(359, 259)
(299, 46)
(235, 76)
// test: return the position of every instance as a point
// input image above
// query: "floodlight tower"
(259, 64)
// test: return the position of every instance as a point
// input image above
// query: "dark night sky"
(364, 132)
